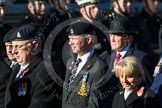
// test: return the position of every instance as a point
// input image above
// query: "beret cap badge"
(71, 31)
(18, 34)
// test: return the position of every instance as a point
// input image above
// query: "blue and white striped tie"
(73, 72)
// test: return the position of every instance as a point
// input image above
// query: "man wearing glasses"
(29, 85)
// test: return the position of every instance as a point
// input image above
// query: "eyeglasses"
(21, 46)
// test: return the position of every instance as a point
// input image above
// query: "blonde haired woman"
(134, 93)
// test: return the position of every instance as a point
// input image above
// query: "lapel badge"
(25, 72)
(18, 35)
(88, 67)
(121, 92)
(140, 92)
(83, 90)
(71, 64)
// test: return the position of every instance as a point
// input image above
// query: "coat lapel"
(122, 103)
(70, 65)
(112, 59)
(129, 52)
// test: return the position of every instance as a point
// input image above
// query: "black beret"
(8, 35)
(122, 26)
(80, 28)
(25, 32)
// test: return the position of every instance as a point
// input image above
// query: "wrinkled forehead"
(77, 36)
(8, 43)
(20, 42)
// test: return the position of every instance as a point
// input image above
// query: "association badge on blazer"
(83, 91)
(121, 92)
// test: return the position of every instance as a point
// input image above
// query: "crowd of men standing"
(97, 47)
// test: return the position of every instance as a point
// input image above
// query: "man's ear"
(114, 4)
(35, 44)
(126, 37)
(89, 39)
(82, 10)
(31, 8)
(35, 47)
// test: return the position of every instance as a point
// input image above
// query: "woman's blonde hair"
(129, 66)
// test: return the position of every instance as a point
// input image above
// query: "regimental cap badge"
(18, 35)
(71, 31)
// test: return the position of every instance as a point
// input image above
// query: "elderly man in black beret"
(10, 59)
(29, 86)
(84, 71)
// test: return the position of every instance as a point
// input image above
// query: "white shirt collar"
(84, 59)
(24, 67)
(123, 52)
(86, 56)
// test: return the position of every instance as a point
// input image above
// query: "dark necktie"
(73, 72)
